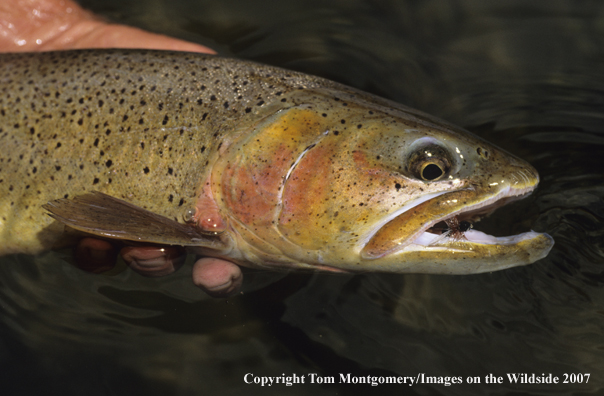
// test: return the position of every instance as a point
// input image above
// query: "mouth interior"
(459, 227)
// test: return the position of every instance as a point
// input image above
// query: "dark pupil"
(431, 172)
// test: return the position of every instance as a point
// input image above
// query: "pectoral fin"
(103, 215)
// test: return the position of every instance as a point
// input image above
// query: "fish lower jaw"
(477, 253)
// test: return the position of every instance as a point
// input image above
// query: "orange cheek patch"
(306, 185)
(251, 192)
(305, 198)
(361, 162)
(254, 171)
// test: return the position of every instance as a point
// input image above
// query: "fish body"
(263, 166)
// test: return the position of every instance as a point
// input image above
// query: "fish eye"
(431, 171)
(430, 163)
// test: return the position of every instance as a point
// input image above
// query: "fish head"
(345, 183)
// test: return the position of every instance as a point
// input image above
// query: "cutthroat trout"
(259, 165)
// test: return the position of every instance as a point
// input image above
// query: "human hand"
(45, 25)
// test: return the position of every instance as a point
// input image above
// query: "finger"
(95, 34)
(45, 25)
(153, 261)
(95, 255)
(218, 278)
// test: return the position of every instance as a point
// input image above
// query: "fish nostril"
(483, 153)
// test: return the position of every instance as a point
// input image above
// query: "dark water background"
(526, 75)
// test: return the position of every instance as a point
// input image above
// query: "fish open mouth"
(408, 230)
(459, 227)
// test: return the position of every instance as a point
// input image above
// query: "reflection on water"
(527, 77)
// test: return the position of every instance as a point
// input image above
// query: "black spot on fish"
(397, 186)
(108, 163)
(146, 170)
(95, 181)
(181, 202)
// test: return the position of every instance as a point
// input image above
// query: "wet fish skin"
(137, 125)
(292, 171)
